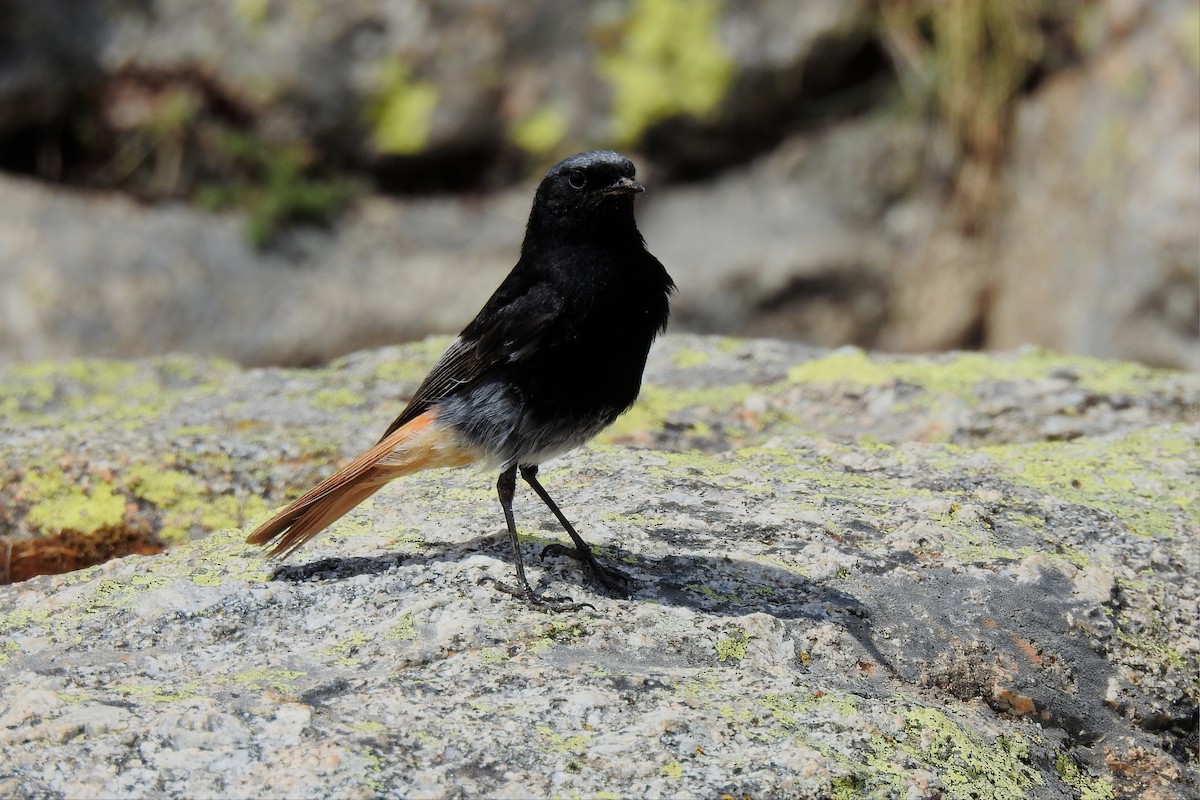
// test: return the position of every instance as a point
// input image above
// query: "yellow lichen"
(962, 373)
(734, 646)
(1189, 36)
(540, 132)
(56, 504)
(278, 680)
(401, 110)
(403, 630)
(186, 504)
(666, 62)
(690, 359)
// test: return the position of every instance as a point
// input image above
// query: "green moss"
(814, 485)
(441, 502)
(56, 504)
(25, 388)
(179, 368)
(276, 184)
(18, 620)
(705, 684)
(401, 110)
(846, 704)
(969, 540)
(666, 62)
(540, 132)
(226, 511)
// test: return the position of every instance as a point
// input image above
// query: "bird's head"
(586, 187)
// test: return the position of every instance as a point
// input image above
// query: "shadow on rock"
(709, 585)
(1011, 644)
(327, 569)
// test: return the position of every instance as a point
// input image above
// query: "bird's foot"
(556, 605)
(610, 578)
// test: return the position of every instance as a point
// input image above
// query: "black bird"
(553, 358)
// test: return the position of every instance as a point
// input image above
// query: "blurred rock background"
(282, 182)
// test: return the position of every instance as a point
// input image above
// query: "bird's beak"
(624, 186)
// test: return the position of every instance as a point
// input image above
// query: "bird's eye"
(577, 179)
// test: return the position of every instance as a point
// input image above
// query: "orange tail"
(421, 444)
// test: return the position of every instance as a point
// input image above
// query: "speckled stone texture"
(856, 576)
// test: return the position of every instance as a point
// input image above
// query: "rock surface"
(1104, 194)
(765, 250)
(817, 217)
(856, 576)
(458, 79)
(88, 275)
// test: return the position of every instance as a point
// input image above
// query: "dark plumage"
(553, 357)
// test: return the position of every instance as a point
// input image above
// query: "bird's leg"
(505, 487)
(611, 578)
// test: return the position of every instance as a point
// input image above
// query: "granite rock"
(855, 575)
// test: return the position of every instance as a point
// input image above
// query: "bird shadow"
(337, 569)
(707, 584)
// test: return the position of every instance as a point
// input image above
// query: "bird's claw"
(557, 605)
(608, 577)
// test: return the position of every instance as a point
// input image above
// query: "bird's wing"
(511, 324)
